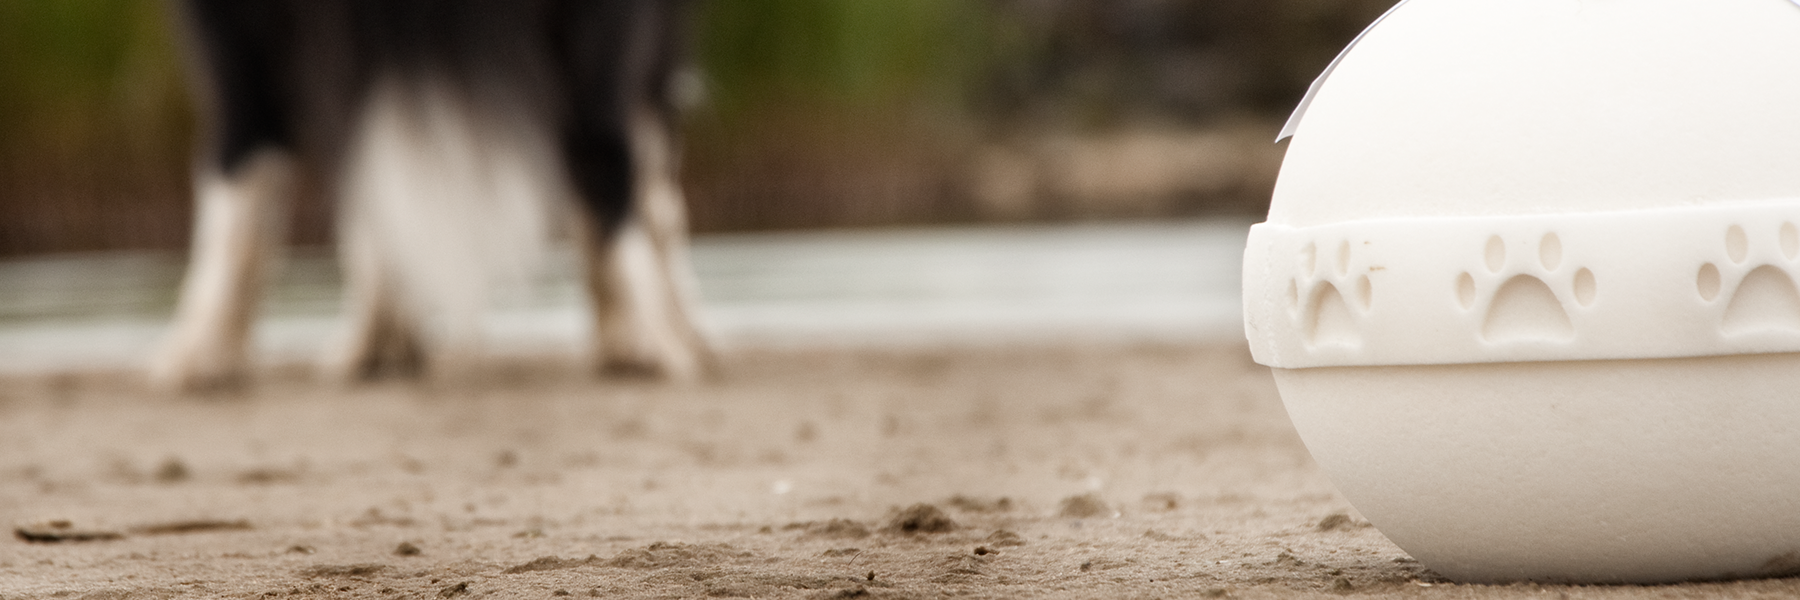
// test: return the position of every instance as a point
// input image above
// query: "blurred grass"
(830, 113)
(844, 55)
(78, 68)
(95, 127)
(815, 112)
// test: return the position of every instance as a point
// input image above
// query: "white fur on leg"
(641, 280)
(380, 337)
(444, 200)
(237, 223)
(635, 312)
(665, 219)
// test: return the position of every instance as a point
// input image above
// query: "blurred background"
(813, 113)
(838, 115)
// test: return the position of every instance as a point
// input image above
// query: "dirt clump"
(1161, 502)
(921, 518)
(193, 526)
(352, 570)
(268, 476)
(1002, 538)
(1287, 559)
(551, 563)
(1338, 522)
(980, 505)
(1158, 536)
(834, 528)
(59, 531)
(173, 471)
(661, 555)
(1085, 506)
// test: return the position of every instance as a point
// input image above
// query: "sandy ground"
(1091, 471)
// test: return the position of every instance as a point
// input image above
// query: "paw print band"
(1651, 283)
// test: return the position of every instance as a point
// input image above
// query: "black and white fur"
(452, 135)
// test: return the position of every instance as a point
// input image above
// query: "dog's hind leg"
(640, 277)
(383, 337)
(237, 224)
(242, 190)
(634, 237)
(619, 147)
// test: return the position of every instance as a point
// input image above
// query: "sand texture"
(1046, 471)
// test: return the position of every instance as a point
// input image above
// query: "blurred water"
(1162, 281)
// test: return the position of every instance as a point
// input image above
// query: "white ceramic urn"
(1528, 286)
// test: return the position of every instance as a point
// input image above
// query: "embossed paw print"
(1763, 295)
(1533, 295)
(1327, 300)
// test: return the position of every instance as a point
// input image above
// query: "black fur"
(291, 74)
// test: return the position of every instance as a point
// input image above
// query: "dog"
(452, 136)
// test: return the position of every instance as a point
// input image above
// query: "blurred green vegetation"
(848, 55)
(814, 112)
(830, 112)
(93, 118)
(76, 69)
